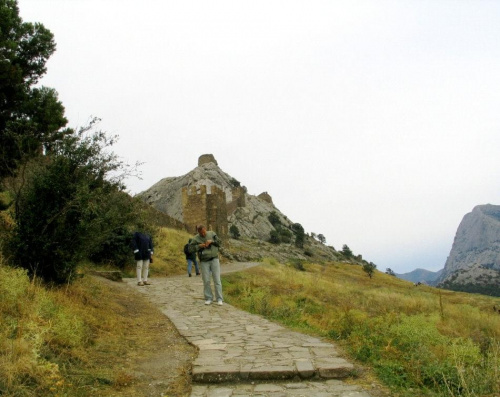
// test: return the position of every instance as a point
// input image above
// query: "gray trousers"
(211, 266)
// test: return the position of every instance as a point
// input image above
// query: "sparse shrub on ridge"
(346, 251)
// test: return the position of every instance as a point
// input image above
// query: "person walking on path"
(206, 244)
(191, 259)
(142, 244)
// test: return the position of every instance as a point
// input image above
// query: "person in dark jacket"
(207, 244)
(142, 244)
(191, 259)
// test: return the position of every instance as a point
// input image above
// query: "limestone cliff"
(474, 261)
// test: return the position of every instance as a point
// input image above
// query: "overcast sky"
(375, 123)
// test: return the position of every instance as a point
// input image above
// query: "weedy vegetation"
(420, 341)
(83, 338)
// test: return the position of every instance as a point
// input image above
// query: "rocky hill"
(474, 261)
(250, 215)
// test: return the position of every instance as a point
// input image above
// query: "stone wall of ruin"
(238, 199)
(200, 207)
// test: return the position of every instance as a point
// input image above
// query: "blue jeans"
(212, 266)
(190, 266)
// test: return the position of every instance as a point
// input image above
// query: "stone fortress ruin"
(208, 205)
(207, 195)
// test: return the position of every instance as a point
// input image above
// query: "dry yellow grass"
(169, 258)
(88, 338)
(435, 341)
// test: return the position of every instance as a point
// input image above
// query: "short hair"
(200, 227)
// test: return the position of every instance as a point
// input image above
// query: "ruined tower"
(238, 199)
(266, 197)
(201, 207)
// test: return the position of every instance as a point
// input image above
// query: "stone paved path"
(242, 354)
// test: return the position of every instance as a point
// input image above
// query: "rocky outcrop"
(251, 216)
(474, 259)
(166, 195)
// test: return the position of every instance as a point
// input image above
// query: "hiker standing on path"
(191, 258)
(206, 244)
(142, 244)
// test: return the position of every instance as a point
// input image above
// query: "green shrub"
(285, 235)
(298, 264)
(274, 219)
(235, 232)
(274, 237)
(69, 206)
(299, 235)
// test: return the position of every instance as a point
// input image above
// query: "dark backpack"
(186, 249)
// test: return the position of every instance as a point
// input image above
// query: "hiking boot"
(197, 274)
(147, 283)
(208, 302)
(219, 302)
(140, 283)
(189, 274)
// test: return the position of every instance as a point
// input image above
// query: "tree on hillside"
(31, 118)
(389, 272)
(299, 235)
(321, 238)
(346, 251)
(69, 206)
(369, 269)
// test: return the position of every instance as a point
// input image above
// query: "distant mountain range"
(421, 276)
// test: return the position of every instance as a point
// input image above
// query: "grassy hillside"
(420, 341)
(89, 337)
(169, 258)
